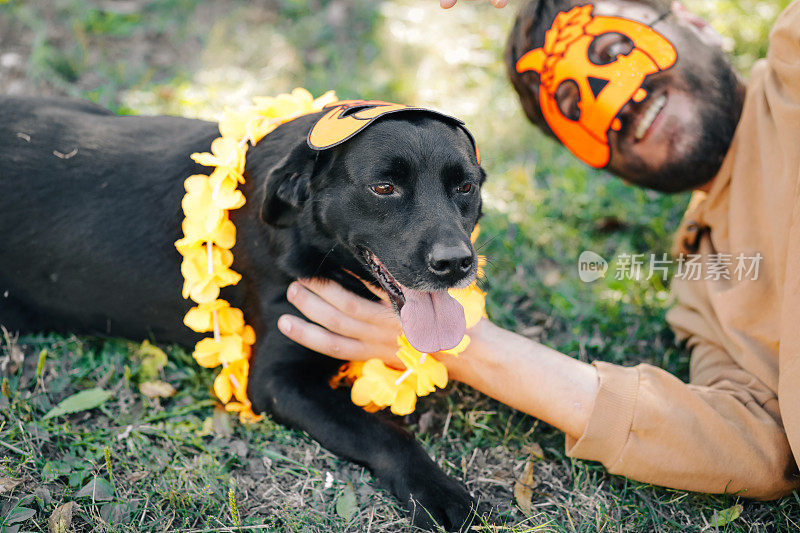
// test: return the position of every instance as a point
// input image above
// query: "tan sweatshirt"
(735, 428)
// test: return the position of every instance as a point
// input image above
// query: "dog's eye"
(382, 189)
(465, 187)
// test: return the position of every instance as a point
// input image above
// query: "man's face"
(663, 112)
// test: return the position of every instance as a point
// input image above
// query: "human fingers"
(319, 310)
(321, 340)
(350, 303)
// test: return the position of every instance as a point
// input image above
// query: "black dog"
(90, 208)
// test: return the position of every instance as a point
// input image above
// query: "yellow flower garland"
(209, 236)
(206, 246)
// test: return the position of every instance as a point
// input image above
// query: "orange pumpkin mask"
(604, 89)
(347, 118)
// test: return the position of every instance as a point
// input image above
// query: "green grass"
(182, 464)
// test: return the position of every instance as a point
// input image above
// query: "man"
(643, 89)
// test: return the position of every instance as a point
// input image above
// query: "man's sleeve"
(783, 93)
(789, 351)
(719, 434)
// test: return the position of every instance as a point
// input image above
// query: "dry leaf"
(534, 450)
(8, 484)
(61, 519)
(14, 356)
(523, 488)
(157, 389)
(135, 477)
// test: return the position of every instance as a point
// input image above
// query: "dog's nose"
(444, 260)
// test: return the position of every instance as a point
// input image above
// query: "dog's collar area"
(347, 118)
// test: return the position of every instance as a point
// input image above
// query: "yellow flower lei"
(209, 235)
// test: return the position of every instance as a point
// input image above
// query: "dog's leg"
(292, 383)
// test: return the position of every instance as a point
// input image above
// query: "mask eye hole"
(606, 48)
(352, 110)
(568, 96)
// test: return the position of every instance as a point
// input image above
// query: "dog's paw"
(436, 500)
(443, 504)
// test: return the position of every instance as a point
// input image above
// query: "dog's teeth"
(383, 275)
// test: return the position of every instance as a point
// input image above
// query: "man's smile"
(648, 116)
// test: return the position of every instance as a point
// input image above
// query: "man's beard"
(719, 115)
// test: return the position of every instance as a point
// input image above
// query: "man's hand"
(347, 326)
(447, 4)
(508, 367)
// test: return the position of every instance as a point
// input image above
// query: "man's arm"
(721, 433)
(527, 376)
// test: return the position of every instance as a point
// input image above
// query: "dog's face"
(401, 199)
(406, 202)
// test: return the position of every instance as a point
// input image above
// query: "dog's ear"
(288, 186)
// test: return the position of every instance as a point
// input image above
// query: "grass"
(136, 463)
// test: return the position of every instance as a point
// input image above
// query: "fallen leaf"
(18, 514)
(534, 450)
(153, 360)
(61, 519)
(523, 488)
(14, 357)
(98, 489)
(726, 516)
(8, 484)
(81, 401)
(346, 505)
(157, 389)
(135, 477)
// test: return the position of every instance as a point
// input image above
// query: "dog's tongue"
(432, 321)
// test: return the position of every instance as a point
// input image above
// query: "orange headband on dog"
(604, 89)
(347, 118)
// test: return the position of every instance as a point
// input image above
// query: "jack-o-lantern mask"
(604, 88)
(346, 118)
